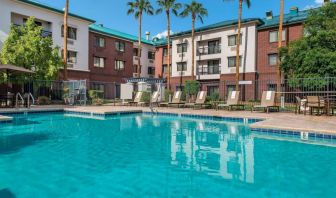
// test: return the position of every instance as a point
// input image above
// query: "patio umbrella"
(12, 69)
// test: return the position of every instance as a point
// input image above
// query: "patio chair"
(176, 99)
(137, 99)
(155, 98)
(232, 101)
(200, 100)
(267, 102)
(315, 103)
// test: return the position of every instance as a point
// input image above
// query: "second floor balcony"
(208, 70)
(206, 50)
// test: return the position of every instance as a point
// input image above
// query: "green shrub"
(214, 96)
(96, 97)
(191, 87)
(145, 97)
(166, 94)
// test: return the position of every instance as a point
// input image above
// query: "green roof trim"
(115, 33)
(221, 24)
(41, 5)
(290, 18)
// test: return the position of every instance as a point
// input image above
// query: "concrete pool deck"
(279, 121)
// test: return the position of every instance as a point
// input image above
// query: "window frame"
(118, 67)
(69, 35)
(120, 46)
(182, 48)
(184, 66)
(101, 62)
(98, 41)
(234, 58)
(284, 32)
(276, 59)
(235, 40)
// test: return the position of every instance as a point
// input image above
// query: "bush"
(166, 95)
(214, 96)
(192, 87)
(96, 97)
(43, 100)
(146, 96)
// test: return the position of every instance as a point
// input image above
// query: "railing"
(18, 95)
(206, 50)
(208, 70)
(30, 96)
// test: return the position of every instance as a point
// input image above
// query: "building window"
(272, 59)
(213, 67)
(165, 52)
(98, 62)
(182, 48)
(136, 52)
(182, 66)
(165, 69)
(232, 39)
(98, 86)
(151, 70)
(273, 36)
(119, 65)
(137, 69)
(151, 55)
(72, 57)
(99, 42)
(232, 61)
(72, 32)
(120, 46)
(212, 89)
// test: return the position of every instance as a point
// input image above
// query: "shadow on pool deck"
(14, 143)
(6, 193)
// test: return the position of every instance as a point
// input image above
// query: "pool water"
(140, 155)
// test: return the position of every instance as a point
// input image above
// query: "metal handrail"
(28, 98)
(17, 99)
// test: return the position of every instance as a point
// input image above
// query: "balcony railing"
(208, 70)
(209, 50)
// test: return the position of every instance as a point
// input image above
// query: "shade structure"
(12, 69)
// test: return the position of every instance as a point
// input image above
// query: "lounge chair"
(137, 99)
(232, 101)
(155, 98)
(176, 99)
(267, 102)
(200, 100)
(314, 102)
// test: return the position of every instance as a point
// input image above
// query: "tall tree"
(282, 4)
(65, 34)
(168, 6)
(138, 8)
(240, 11)
(26, 47)
(197, 11)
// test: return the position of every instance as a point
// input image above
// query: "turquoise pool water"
(138, 155)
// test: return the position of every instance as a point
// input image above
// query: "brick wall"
(109, 52)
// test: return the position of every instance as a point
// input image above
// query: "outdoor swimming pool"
(140, 155)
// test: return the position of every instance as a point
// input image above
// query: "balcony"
(208, 70)
(206, 50)
(44, 33)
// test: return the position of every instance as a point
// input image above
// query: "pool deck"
(279, 121)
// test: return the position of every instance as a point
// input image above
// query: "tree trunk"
(238, 43)
(65, 32)
(139, 47)
(169, 59)
(282, 2)
(193, 49)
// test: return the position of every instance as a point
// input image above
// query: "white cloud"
(163, 34)
(318, 3)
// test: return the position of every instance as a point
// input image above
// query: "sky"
(113, 13)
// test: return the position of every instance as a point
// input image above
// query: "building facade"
(16, 12)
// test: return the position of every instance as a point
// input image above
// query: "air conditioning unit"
(233, 48)
(70, 42)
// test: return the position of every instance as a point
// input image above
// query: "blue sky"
(112, 13)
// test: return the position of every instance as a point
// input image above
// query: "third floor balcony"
(207, 50)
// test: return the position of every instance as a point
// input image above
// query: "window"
(119, 65)
(272, 59)
(72, 57)
(99, 42)
(38, 23)
(181, 48)
(165, 69)
(136, 52)
(165, 51)
(182, 66)
(213, 47)
(98, 62)
(72, 32)
(151, 55)
(213, 67)
(151, 70)
(212, 89)
(136, 69)
(232, 61)
(232, 39)
(98, 86)
(273, 36)
(120, 46)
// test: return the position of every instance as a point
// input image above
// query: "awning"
(12, 69)
(146, 80)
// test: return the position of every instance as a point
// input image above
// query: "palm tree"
(282, 3)
(138, 7)
(65, 34)
(240, 10)
(197, 11)
(168, 6)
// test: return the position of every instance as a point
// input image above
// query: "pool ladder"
(29, 96)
